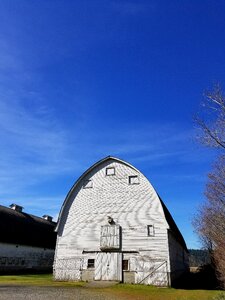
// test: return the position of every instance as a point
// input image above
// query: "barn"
(27, 242)
(114, 226)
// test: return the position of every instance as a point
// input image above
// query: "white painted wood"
(82, 223)
(134, 179)
(108, 266)
(110, 237)
(110, 171)
(152, 272)
(19, 257)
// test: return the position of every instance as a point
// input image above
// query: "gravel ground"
(50, 293)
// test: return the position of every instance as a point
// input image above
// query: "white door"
(108, 266)
(151, 272)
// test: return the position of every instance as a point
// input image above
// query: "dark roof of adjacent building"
(21, 228)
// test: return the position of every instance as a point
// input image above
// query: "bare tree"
(210, 220)
(211, 120)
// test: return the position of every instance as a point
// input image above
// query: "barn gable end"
(113, 226)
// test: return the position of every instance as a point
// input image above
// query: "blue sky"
(80, 80)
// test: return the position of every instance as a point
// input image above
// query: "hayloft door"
(108, 266)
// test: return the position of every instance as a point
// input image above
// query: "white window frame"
(150, 230)
(91, 265)
(88, 184)
(110, 168)
(133, 176)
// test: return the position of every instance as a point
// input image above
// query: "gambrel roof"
(25, 229)
(171, 223)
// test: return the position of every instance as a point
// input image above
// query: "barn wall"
(133, 207)
(21, 258)
(178, 257)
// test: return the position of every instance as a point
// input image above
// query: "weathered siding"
(21, 258)
(108, 266)
(178, 257)
(132, 207)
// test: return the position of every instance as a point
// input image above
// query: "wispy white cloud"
(33, 144)
(36, 147)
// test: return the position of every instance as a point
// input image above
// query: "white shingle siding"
(132, 206)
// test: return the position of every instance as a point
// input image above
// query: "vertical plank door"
(108, 266)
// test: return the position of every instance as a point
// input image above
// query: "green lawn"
(125, 291)
(37, 280)
(141, 292)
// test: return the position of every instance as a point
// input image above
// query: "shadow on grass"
(204, 278)
(27, 271)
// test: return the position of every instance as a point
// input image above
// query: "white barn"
(114, 226)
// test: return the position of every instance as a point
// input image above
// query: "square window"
(134, 179)
(91, 263)
(110, 171)
(151, 230)
(125, 265)
(88, 184)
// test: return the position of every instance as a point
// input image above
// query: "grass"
(36, 280)
(142, 292)
(124, 291)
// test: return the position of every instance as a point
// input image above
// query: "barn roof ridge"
(25, 213)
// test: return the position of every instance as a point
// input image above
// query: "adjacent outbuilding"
(27, 242)
(114, 226)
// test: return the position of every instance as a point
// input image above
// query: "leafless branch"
(210, 220)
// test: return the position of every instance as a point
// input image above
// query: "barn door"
(151, 272)
(108, 266)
